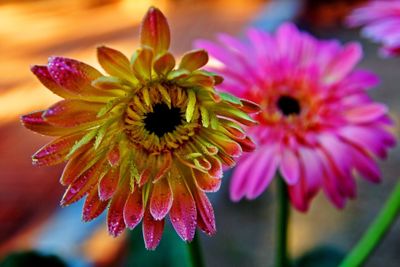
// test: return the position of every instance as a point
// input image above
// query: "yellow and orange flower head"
(145, 140)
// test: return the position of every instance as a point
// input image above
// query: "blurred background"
(35, 231)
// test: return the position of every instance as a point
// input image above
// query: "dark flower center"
(288, 105)
(163, 119)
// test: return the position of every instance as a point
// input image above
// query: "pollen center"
(163, 119)
(288, 105)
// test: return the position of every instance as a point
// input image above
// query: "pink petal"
(240, 179)
(343, 63)
(366, 113)
(260, 176)
(289, 166)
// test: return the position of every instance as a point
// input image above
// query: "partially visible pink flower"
(318, 127)
(381, 21)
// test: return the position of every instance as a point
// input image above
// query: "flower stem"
(375, 232)
(282, 224)
(195, 254)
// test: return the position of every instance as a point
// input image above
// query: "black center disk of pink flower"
(288, 105)
(163, 119)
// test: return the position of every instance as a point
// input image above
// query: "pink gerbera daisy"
(382, 24)
(317, 126)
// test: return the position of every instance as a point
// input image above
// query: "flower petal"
(93, 206)
(183, 212)
(205, 182)
(134, 210)
(43, 74)
(115, 216)
(194, 60)
(142, 64)
(164, 64)
(55, 152)
(205, 212)
(82, 184)
(35, 122)
(108, 184)
(366, 113)
(289, 166)
(76, 77)
(155, 31)
(114, 62)
(152, 231)
(71, 113)
(161, 199)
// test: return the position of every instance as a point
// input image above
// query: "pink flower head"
(381, 20)
(317, 125)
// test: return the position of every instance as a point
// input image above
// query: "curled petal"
(93, 206)
(183, 212)
(164, 64)
(155, 31)
(152, 231)
(114, 62)
(194, 60)
(56, 151)
(133, 210)
(71, 113)
(161, 199)
(205, 182)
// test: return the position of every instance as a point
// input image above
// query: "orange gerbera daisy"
(145, 140)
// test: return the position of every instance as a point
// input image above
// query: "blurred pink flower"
(381, 21)
(317, 125)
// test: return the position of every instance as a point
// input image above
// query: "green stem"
(375, 232)
(195, 254)
(282, 224)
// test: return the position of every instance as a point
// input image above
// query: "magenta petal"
(289, 166)
(239, 180)
(262, 173)
(366, 113)
(152, 231)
